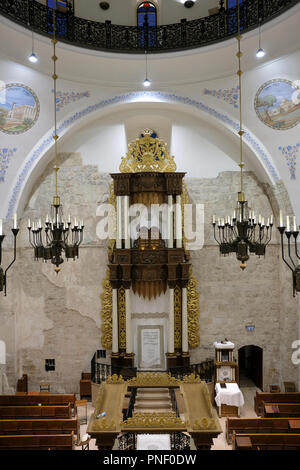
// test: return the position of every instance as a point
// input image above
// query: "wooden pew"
(265, 441)
(281, 410)
(24, 399)
(261, 425)
(260, 397)
(27, 412)
(38, 442)
(39, 426)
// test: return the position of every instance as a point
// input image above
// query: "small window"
(61, 18)
(49, 364)
(232, 16)
(147, 21)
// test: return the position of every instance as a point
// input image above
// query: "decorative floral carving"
(162, 379)
(106, 313)
(154, 420)
(148, 153)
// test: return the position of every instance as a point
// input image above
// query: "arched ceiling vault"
(256, 157)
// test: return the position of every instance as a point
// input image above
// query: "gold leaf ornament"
(148, 153)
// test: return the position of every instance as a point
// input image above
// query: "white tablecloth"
(153, 442)
(227, 345)
(231, 395)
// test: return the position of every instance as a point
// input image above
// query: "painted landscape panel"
(19, 108)
(277, 104)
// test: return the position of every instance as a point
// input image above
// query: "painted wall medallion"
(19, 108)
(277, 104)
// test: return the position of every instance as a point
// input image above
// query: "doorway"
(251, 366)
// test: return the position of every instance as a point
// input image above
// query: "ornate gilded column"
(178, 222)
(119, 222)
(184, 319)
(115, 329)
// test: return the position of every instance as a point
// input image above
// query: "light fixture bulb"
(260, 53)
(146, 82)
(33, 58)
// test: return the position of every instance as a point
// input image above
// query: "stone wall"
(50, 316)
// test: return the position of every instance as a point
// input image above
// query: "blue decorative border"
(230, 96)
(127, 98)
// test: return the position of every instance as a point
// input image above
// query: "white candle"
(295, 227)
(1, 227)
(69, 219)
(29, 223)
(15, 220)
(75, 223)
(271, 220)
(47, 219)
(268, 222)
(287, 223)
(281, 221)
(214, 219)
(234, 214)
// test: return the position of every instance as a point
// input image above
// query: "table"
(45, 388)
(231, 396)
(82, 403)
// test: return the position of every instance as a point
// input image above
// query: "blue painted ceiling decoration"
(5, 156)
(290, 153)
(230, 96)
(65, 98)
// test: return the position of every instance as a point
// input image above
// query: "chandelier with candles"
(3, 274)
(244, 232)
(57, 235)
(290, 253)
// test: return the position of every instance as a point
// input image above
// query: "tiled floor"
(247, 411)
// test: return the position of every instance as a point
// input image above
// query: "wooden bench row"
(39, 426)
(265, 441)
(262, 397)
(281, 410)
(261, 425)
(18, 412)
(38, 442)
(23, 399)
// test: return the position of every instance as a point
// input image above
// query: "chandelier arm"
(1, 240)
(296, 248)
(15, 233)
(282, 252)
(30, 239)
(270, 236)
(214, 225)
(289, 251)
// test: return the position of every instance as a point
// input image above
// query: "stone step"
(152, 397)
(153, 390)
(153, 410)
(151, 404)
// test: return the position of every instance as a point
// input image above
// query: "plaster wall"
(49, 316)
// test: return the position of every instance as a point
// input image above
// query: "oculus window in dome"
(19, 108)
(277, 104)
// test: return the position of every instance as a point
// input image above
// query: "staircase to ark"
(153, 400)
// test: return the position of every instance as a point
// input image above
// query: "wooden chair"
(289, 386)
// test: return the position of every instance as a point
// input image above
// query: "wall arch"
(40, 155)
